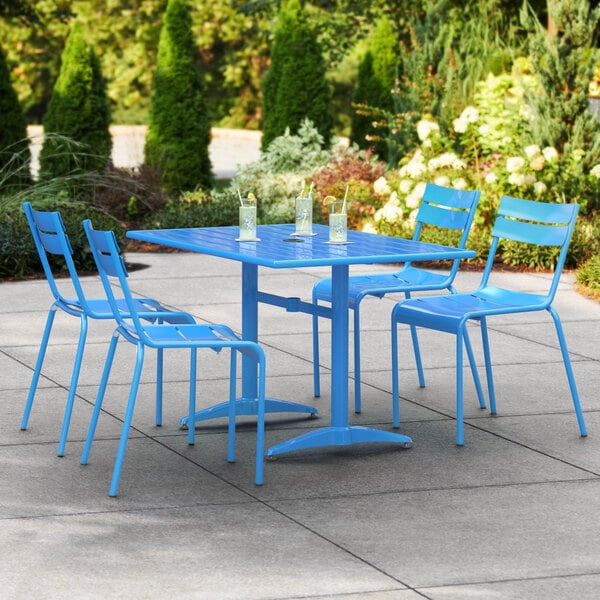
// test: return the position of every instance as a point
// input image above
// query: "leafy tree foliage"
(376, 80)
(79, 111)
(232, 37)
(15, 155)
(295, 87)
(179, 128)
(564, 61)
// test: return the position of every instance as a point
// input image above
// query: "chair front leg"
(192, 397)
(460, 433)
(159, 387)
(315, 340)
(38, 367)
(139, 362)
(232, 400)
(395, 391)
(260, 425)
(357, 385)
(567, 362)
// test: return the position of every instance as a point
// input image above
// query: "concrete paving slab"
(512, 514)
(46, 418)
(582, 587)
(555, 435)
(434, 462)
(204, 552)
(483, 534)
(153, 476)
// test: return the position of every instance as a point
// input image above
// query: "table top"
(278, 248)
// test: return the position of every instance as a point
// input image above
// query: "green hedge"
(18, 255)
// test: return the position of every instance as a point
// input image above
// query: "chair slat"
(541, 212)
(443, 217)
(530, 233)
(448, 196)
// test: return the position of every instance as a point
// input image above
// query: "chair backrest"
(447, 208)
(531, 222)
(110, 263)
(50, 237)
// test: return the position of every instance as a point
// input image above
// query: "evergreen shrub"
(79, 111)
(18, 255)
(295, 87)
(377, 74)
(179, 125)
(15, 155)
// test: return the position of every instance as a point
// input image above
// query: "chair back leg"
(38, 367)
(73, 386)
(87, 447)
(567, 362)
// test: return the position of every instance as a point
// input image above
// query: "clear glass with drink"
(338, 222)
(248, 218)
(304, 208)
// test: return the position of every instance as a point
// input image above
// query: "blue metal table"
(278, 249)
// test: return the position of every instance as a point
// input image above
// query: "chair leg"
(99, 399)
(474, 371)
(192, 397)
(417, 353)
(395, 391)
(567, 362)
(260, 425)
(416, 350)
(460, 425)
(73, 387)
(357, 386)
(316, 369)
(38, 367)
(159, 387)
(232, 399)
(488, 365)
(139, 361)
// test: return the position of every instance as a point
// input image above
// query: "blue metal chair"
(131, 328)
(522, 221)
(50, 238)
(440, 207)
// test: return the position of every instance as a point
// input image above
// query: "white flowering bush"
(485, 150)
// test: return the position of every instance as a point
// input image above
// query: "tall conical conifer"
(295, 87)
(376, 79)
(78, 110)
(179, 128)
(15, 155)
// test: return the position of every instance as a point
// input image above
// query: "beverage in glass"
(248, 218)
(338, 222)
(303, 215)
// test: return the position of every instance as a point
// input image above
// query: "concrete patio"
(512, 514)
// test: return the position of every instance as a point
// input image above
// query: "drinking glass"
(248, 219)
(338, 222)
(304, 215)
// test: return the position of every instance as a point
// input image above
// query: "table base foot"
(338, 436)
(249, 406)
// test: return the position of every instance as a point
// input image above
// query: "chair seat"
(379, 284)
(147, 308)
(166, 335)
(446, 313)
